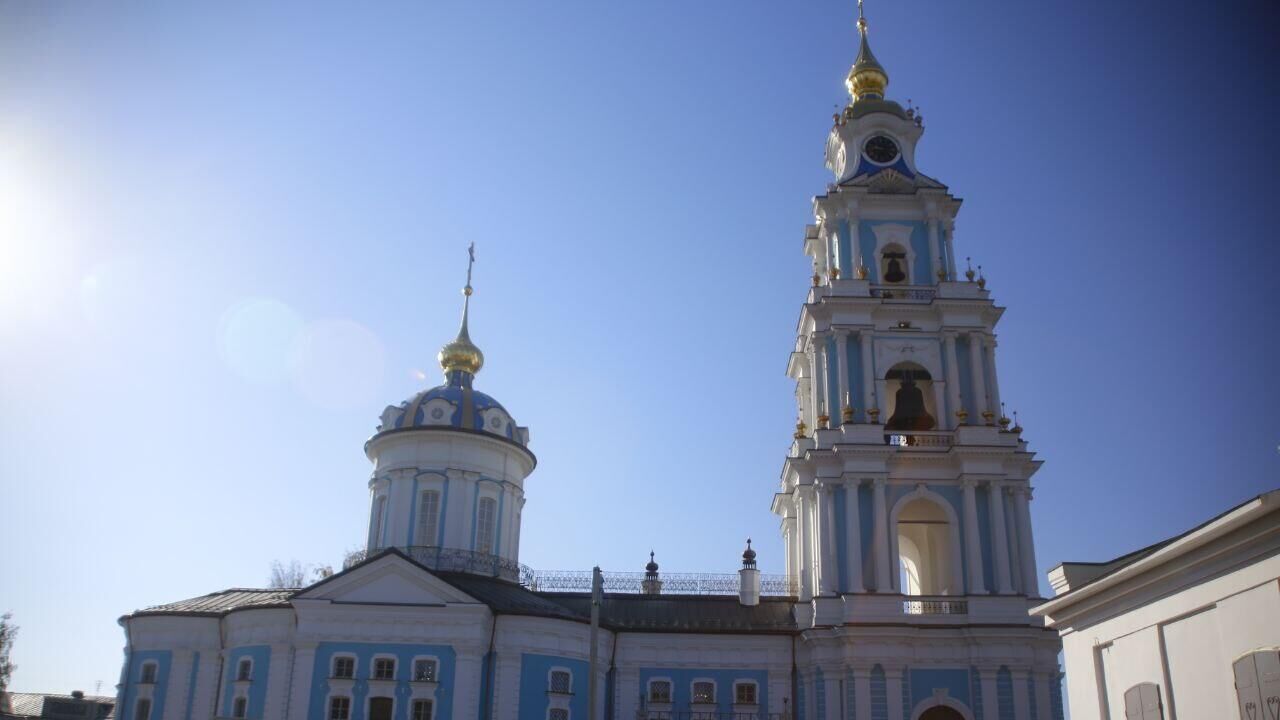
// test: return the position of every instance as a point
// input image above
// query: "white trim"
(648, 691)
(240, 662)
(942, 699)
(333, 666)
(328, 704)
(746, 681)
(373, 664)
(551, 673)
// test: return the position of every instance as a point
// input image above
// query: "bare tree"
(8, 632)
(290, 575)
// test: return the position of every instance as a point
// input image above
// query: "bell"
(894, 272)
(909, 412)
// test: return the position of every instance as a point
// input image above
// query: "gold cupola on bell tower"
(867, 78)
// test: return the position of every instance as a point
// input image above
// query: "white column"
(993, 386)
(1043, 709)
(806, 547)
(842, 368)
(1021, 701)
(868, 379)
(990, 697)
(999, 537)
(815, 385)
(853, 543)
(824, 369)
(972, 538)
(953, 381)
(880, 536)
(862, 692)
(180, 678)
(948, 241)
(1027, 552)
(893, 689)
(935, 255)
(278, 671)
(975, 370)
(829, 571)
(303, 663)
(831, 689)
(855, 241)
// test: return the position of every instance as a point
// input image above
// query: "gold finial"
(462, 354)
(867, 78)
(801, 430)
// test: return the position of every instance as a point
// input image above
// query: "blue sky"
(233, 233)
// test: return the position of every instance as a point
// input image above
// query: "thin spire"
(462, 354)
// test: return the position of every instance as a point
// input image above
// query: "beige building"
(1188, 628)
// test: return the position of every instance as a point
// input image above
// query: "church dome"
(456, 404)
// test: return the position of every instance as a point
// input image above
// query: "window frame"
(139, 704)
(240, 707)
(563, 713)
(487, 542)
(333, 700)
(373, 668)
(413, 677)
(755, 692)
(670, 687)
(148, 673)
(422, 537)
(551, 681)
(333, 667)
(693, 691)
(417, 702)
(241, 674)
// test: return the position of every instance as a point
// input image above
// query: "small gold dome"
(461, 354)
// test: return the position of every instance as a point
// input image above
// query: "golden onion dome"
(462, 354)
(867, 77)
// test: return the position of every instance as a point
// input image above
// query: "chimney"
(749, 578)
(77, 694)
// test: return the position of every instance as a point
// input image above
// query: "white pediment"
(388, 580)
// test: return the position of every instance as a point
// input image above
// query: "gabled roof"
(32, 704)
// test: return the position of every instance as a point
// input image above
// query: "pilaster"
(880, 535)
(853, 543)
(304, 659)
(999, 537)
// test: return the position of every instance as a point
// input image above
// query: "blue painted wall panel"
(842, 538)
(364, 654)
(261, 657)
(535, 680)
(133, 678)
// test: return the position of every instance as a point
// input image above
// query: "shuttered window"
(1142, 702)
(428, 518)
(1258, 684)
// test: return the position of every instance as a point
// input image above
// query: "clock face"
(881, 149)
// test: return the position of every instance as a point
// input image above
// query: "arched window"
(912, 402)
(148, 673)
(486, 524)
(1257, 677)
(894, 266)
(1142, 702)
(428, 518)
(142, 710)
(925, 552)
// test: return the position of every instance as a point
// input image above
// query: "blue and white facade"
(903, 505)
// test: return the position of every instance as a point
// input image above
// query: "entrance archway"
(941, 712)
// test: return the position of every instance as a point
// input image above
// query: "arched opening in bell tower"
(912, 405)
(925, 547)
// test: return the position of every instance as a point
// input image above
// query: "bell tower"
(906, 490)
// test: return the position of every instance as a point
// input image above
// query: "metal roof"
(221, 603)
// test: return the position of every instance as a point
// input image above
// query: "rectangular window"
(245, 670)
(561, 682)
(660, 691)
(428, 518)
(422, 710)
(744, 693)
(384, 669)
(486, 517)
(142, 711)
(344, 667)
(148, 674)
(557, 714)
(424, 670)
(704, 692)
(240, 708)
(339, 708)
